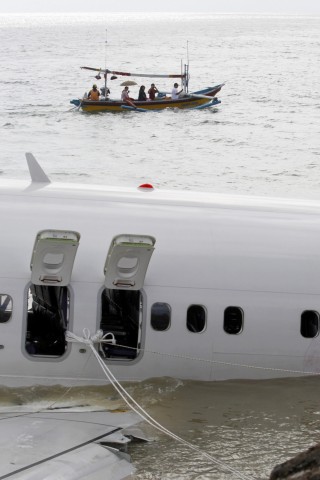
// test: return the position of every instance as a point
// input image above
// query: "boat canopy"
(126, 74)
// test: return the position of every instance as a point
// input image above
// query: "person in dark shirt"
(142, 94)
(152, 91)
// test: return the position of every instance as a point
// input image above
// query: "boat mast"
(182, 78)
(185, 72)
(186, 69)
(105, 65)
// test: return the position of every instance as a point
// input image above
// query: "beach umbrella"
(128, 83)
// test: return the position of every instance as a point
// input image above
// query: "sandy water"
(249, 426)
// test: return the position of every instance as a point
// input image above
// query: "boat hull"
(202, 98)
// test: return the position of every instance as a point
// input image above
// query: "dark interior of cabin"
(48, 310)
(120, 314)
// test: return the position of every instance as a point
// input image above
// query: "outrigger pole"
(127, 74)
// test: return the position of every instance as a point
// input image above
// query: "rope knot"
(89, 339)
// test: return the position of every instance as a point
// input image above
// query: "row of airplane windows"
(232, 322)
(196, 318)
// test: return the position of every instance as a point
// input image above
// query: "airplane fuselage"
(230, 283)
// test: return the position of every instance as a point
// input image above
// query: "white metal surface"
(259, 254)
(63, 445)
(53, 255)
(127, 261)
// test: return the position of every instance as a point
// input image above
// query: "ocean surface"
(262, 140)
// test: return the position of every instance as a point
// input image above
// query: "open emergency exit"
(48, 298)
(53, 256)
(122, 300)
(127, 261)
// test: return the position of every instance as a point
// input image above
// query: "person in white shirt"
(125, 94)
(175, 94)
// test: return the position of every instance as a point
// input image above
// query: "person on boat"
(105, 92)
(125, 94)
(94, 93)
(126, 98)
(175, 94)
(142, 94)
(152, 91)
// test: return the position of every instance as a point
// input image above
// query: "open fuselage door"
(48, 296)
(127, 261)
(121, 301)
(53, 256)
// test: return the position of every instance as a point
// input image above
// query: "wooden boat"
(187, 100)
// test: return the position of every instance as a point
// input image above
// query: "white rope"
(220, 362)
(98, 337)
(133, 405)
(89, 339)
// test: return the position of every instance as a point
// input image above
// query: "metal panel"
(53, 256)
(127, 261)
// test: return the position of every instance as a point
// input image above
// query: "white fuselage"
(260, 256)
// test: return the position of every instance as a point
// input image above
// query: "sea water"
(262, 140)
(246, 426)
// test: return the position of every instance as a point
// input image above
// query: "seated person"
(125, 94)
(94, 94)
(125, 97)
(175, 94)
(142, 94)
(105, 91)
(152, 91)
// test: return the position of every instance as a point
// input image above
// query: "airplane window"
(5, 307)
(196, 318)
(233, 320)
(160, 316)
(309, 327)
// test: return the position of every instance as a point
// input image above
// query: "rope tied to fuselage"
(88, 339)
(99, 338)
